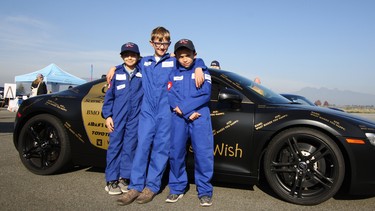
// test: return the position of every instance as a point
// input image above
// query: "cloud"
(20, 32)
(28, 44)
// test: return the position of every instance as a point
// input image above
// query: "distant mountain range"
(337, 97)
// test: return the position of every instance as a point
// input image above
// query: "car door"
(232, 124)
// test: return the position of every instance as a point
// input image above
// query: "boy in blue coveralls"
(191, 118)
(152, 151)
(121, 110)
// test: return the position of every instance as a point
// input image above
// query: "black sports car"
(306, 153)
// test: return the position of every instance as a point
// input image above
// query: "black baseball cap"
(186, 43)
(215, 63)
(130, 47)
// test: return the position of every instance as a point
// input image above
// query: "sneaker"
(128, 197)
(146, 196)
(172, 198)
(123, 184)
(112, 188)
(205, 201)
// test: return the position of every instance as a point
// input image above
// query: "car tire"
(43, 145)
(304, 166)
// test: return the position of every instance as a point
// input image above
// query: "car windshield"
(263, 92)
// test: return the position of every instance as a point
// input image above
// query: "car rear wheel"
(43, 145)
(304, 166)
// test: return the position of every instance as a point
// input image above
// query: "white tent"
(53, 75)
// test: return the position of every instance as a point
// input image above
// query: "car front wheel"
(43, 145)
(304, 166)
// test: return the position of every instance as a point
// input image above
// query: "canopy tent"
(53, 75)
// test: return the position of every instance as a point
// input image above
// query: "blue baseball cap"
(130, 47)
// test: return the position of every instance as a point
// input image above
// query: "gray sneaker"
(123, 184)
(172, 198)
(112, 188)
(205, 201)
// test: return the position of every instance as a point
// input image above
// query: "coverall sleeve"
(107, 109)
(200, 63)
(174, 97)
(199, 98)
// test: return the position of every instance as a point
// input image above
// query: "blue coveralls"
(123, 103)
(184, 94)
(155, 125)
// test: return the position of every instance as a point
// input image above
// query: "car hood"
(343, 115)
(340, 123)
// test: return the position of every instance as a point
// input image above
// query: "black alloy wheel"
(304, 166)
(43, 145)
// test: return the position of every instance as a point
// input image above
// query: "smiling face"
(185, 57)
(160, 46)
(130, 59)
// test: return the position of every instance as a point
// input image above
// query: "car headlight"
(371, 138)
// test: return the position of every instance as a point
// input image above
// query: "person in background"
(191, 118)
(38, 87)
(257, 80)
(255, 86)
(215, 64)
(121, 108)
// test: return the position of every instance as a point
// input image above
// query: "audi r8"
(306, 154)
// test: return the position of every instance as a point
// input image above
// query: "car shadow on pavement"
(6, 127)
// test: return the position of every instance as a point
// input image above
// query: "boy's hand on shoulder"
(199, 77)
(194, 116)
(110, 74)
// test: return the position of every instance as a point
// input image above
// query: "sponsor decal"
(93, 121)
(119, 87)
(92, 112)
(207, 77)
(138, 75)
(96, 124)
(56, 105)
(147, 63)
(217, 113)
(260, 125)
(227, 126)
(363, 127)
(167, 64)
(76, 134)
(332, 122)
(225, 150)
(169, 85)
(120, 77)
(236, 84)
(178, 78)
(99, 142)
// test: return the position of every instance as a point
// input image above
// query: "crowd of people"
(152, 106)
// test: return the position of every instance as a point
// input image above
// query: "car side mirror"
(230, 95)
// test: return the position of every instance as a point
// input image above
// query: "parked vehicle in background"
(304, 101)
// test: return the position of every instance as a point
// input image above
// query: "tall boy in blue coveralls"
(152, 151)
(192, 119)
(121, 110)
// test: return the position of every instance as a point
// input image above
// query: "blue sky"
(289, 44)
